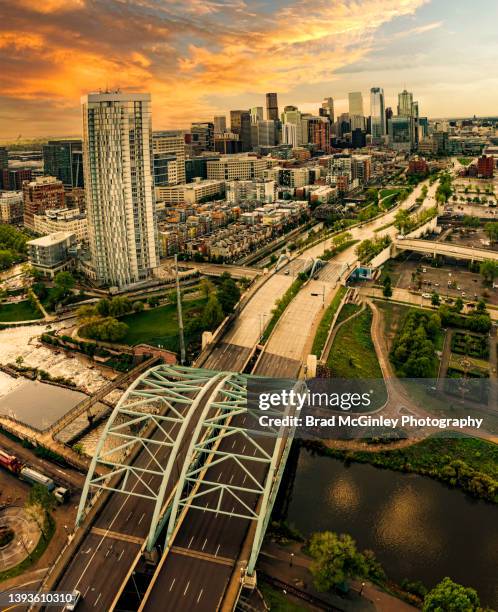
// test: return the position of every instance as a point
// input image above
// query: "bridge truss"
(169, 408)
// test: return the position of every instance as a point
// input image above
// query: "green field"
(19, 311)
(323, 328)
(159, 326)
(353, 354)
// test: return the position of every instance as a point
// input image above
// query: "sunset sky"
(203, 57)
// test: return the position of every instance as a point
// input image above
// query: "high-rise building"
(293, 115)
(39, 195)
(11, 207)
(389, 115)
(272, 107)
(377, 114)
(316, 130)
(240, 123)
(405, 101)
(356, 103)
(4, 163)
(328, 108)
(117, 159)
(202, 136)
(13, 178)
(64, 160)
(399, 131)
(169, 159)
(220, 124)
(358, 138)
(264, 134)
(256, 114)
(227, 143)
(289, 134)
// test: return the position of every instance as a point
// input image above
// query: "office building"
(289, 134)
(400, 135)
(11, 207)
(377, 114)
(271, 107)
(64, 160)
(405, 102)
(234, 167)
(227, 143)
(69, 220)
(256, 114)
(293, 115)
(40, 195)
(316, 131)
(220, 124)
(358, 138)
(355, 99)
(202, 134)
(4, 163)
(485, 166)
(118, 165)
(328, 108)
(260, 190)
(201, 190)
(264, 134)
(169, 158)
(12, 179)
(240, 123)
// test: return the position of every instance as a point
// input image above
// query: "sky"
(199, 58)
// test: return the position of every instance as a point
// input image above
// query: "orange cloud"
(182, 51)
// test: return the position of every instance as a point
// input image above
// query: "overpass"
(446, 249)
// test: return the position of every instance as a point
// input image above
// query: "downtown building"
(64, 160)
(118, 168)
(39, 195)
(377, 115)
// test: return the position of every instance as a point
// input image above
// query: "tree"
(489, 270)
(206, 287)
(435, 299)
(153, 300)
(336, 560)
(40, 502)
(138, 306)
(481, 307)
(64, 281)
(119, 306)
(449, 596)
(402, 221)
(103, 307)
(228, 293)
(86, 312)
(458, 306)
(387, 290)
(491, 230)
(212, 314)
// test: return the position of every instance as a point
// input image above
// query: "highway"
(116, 537)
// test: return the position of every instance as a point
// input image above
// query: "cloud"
(185, 52)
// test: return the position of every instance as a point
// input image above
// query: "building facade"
(11, 207)
(64, 160)
(40, 195)
(117, 148)
(377, 114)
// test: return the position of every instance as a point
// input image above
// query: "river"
(418, 528)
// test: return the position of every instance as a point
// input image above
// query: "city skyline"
(190, 56)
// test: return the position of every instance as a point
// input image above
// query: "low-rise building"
(52, 254)
(62, 220)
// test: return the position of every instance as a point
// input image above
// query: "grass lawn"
(465, 161)
(159, 326)
(19, 311)
(346, 311)
(353, 353)
(323, 328)
(278, 602)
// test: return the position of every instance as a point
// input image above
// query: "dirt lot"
(464, 236)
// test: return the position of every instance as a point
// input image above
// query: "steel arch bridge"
(172, 408)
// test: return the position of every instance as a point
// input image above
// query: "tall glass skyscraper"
(377, 113)
(355, 103)
(117, 159)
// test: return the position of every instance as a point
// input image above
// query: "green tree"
(206, 287)
(491, 230)
(435, 299)
(336, 560)
(212, 314)
(65, 282)
(138, 306)
(40, 502)
(449, 596)
(387, 290)
(489, 270)
(458, 305)
(228, 293)
(402, 221)
(119, 306)
(86, 312)
(103, 307)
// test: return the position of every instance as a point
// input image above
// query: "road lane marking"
(141, 518)
(186, 588)
(97, 600)
(174, 579)
(121, 554)
(190, 543)
(205, 541)
(216, 553)
(200, 595)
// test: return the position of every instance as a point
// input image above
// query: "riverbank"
(461, 462)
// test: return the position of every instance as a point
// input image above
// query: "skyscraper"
(202, 136)
(377, 113)
(240, 123)
(271, 107)
(117, 160)
(355, 103)
(64, 160)
(169, 159)
(256, 114)
(328, 107)
(405, 102)
(220, 124)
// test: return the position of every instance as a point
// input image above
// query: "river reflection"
(418, 528)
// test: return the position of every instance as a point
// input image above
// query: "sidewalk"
(288, 564)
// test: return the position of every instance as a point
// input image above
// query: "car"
(76, 599)
(427, 296)
(463, 294)
(287, 272)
